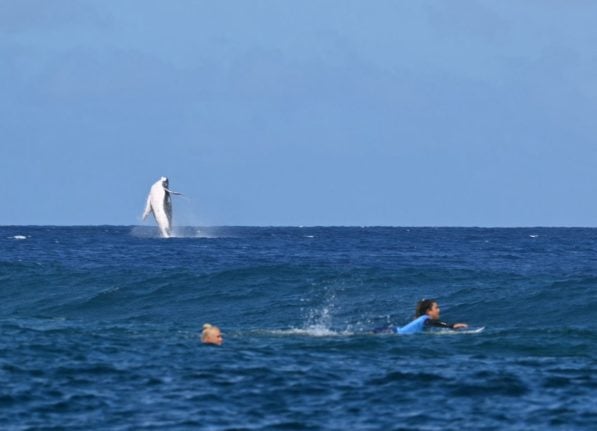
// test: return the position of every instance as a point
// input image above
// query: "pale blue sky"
(404, 113)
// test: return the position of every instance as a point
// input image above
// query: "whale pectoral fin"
(171, 192)
(147, 208)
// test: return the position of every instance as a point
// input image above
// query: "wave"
(315, 296)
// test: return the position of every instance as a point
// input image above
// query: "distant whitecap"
(19, 237)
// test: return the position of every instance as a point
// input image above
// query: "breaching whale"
(159, 203)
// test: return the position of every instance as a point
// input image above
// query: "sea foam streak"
(311, 331)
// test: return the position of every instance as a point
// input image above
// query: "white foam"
(193, 232)
(311, 331)
(20, 237)
(177, 232)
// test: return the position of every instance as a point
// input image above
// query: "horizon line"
(319, 226)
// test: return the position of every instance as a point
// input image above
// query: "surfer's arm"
(439, 324)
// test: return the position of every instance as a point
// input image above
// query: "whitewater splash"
(177, 232)
(318, 323)
(310, 331)
(194, 232)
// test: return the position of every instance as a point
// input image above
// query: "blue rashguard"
(417, 325)
(421, 323)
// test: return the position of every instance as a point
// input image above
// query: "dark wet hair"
(423, 306)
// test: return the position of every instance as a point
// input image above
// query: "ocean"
(99, 328)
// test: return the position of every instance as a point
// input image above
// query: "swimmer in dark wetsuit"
(426, 317)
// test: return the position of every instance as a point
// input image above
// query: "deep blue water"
(99, 329)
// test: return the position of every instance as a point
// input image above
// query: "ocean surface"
(99, 328)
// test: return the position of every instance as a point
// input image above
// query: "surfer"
(427, 315)
(211, 335)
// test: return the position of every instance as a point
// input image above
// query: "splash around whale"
(159, 203)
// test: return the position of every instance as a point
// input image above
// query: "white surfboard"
(456, 332)
(472, 330)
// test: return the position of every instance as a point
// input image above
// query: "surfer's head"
(427, 307)
(211, 335)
